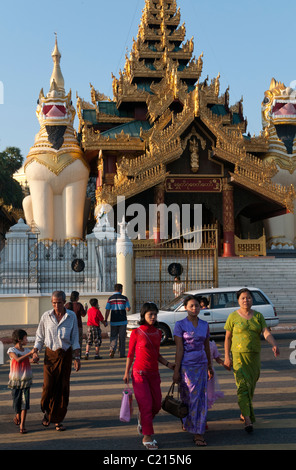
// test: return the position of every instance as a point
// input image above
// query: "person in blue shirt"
(118, 305)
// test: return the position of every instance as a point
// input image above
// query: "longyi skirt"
(193, 391)
(246, 367)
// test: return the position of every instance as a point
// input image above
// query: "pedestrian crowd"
(60, 331)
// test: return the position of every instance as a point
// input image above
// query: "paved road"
(93, 416)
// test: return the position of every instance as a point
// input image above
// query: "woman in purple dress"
(193, 368)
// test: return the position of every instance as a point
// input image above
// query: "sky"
(248, 42)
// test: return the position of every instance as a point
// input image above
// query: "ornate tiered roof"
(158, 96)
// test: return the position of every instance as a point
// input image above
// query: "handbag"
(126, 408)
(174, 406)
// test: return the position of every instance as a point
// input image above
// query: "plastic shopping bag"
(126, 408)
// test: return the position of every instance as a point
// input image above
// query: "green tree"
(10, 190)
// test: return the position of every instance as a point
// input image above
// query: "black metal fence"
(156, 265)
(28, 265)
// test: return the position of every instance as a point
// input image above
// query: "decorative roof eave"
(162, 34)
(125, 91)
(157, 154)
(242, 126)
(281, 194)
(156, 55)
(258, 144)
(156, 6)
(142, 50)
(110, 118)
(107, 194)
(254, 174)
(219, 125)
(232, 153)
(81, 105)
(95, 140)
(192, 74)
(135, 68)
(170, 88)
(100, 118)
(156, 17)
(180, 123)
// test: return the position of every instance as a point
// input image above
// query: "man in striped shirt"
(118, 305)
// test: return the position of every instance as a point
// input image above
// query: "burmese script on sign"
(211, 185)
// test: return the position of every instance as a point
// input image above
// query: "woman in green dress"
(243, 338)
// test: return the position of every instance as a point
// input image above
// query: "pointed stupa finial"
(56, 76)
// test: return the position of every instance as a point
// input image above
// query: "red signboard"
(193, 184)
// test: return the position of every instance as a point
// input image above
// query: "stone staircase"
(275, 276)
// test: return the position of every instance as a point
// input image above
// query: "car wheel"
(165, 333)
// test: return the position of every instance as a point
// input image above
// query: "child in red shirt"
(94, 333)
(144, 344)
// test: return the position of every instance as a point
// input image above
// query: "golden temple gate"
(156, 265)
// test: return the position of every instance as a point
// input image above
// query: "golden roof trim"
(257, 183)
(107, 194)
(94, 140)
(57, 163)
(163, 154)
(238, 156)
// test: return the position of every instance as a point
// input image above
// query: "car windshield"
(174, 304)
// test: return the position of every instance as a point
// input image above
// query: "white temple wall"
(20, 310)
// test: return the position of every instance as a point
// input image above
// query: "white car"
(221, 302)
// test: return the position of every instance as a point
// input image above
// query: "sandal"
(60, 427)
(150, 445)
(200, 442)
(248, 425)
(45, 421)
(249, 428)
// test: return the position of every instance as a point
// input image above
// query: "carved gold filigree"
(97, 96)
(94, 140)
(123, 90)
(129, 187)
(194, 156)
(55, 162)
(138, 157)
(232, 153)
(158, 153)
(262, 185)
(283, 162)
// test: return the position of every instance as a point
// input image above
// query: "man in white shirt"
(58, 331)
(178, 286)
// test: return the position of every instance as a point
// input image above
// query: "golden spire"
(57, 79)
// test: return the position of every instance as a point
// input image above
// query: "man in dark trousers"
(118, 305)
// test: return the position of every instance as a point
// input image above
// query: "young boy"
(94, 333)
(20, 377)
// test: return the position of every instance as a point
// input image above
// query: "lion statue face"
(279, 105)
(55, 109)
(278, 110)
